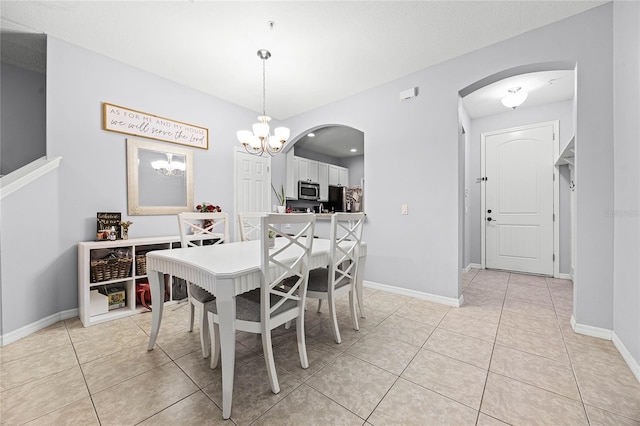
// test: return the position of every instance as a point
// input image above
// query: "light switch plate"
(405, 209)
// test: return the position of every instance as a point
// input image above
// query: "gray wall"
(356, 168)
(626, 220)
(23, 118)
(39, 254)
(562, 111)
(412, 157)
(35, 284)
(311, 155)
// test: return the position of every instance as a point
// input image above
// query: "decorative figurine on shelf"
(112, 233)
(208, 208)
(124, 225)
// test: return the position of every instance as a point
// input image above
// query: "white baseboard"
(605, 334)
(563, 276)
(589, 330)
(449, 301)
(472, 266)
(626, 355)
(18, 334)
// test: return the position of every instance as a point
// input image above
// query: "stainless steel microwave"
(308, 191)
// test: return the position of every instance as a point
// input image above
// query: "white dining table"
(226, 270)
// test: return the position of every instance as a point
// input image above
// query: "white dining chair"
(339, 277)
(261, 310)
(193, 233)
(249, 226)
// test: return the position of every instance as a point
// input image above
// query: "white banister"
(27, 174)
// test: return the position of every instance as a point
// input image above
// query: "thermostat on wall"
(409, 93)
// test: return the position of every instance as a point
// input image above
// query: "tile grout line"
(486, 380)
(573, 371)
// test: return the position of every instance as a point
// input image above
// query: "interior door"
(253, 183)
(518, 208)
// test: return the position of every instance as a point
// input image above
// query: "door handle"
(489, 220)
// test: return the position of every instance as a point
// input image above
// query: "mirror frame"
(133, 195)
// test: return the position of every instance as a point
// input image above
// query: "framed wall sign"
(119, 119)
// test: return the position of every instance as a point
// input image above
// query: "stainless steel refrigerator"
(337, 199)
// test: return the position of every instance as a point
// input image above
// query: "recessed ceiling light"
(311, 135)
(354, 150)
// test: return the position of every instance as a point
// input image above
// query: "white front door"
(252, 183)
(518, 178)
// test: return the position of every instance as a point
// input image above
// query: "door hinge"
(554, 136)
(554, 257)
(554, 217)
(554, 177)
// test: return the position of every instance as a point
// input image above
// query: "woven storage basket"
(141, 264)
(110, 269)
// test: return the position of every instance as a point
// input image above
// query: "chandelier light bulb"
(169, 167)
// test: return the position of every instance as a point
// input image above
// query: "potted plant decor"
(281, 198)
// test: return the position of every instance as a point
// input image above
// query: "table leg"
(362, 262)
(226, 304)
(156, 282)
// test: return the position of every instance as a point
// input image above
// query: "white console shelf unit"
(136, 247)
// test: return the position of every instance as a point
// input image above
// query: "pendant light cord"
(264, 84)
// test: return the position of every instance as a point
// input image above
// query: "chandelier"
(259, 140)
(169, 167)
(515, 98)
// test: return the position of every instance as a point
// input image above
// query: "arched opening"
(329, 155)
(552, 97)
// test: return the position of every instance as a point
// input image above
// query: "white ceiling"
(322, 50)
(542, 88)
(334, 141)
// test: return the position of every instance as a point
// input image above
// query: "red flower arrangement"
(207, 208)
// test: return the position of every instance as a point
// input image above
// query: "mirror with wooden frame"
(159, 178)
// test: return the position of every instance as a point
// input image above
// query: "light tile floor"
(507, 356)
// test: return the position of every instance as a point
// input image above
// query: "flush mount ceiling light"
(311, 135)
(515, 98)
(169, 167)
(260, 141)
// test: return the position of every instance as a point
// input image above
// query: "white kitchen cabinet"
(307, 170)
(334, 174)
(325, 174)
(323, 180)
(303, 169)
(338, 175)
(291, 179)
(312, 171)
(343, 176)
(122, 263)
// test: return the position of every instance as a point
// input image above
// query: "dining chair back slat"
(197, 229)
(249, 226)
(340, 275)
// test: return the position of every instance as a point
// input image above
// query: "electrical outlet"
(288, 225)
(405, 209)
